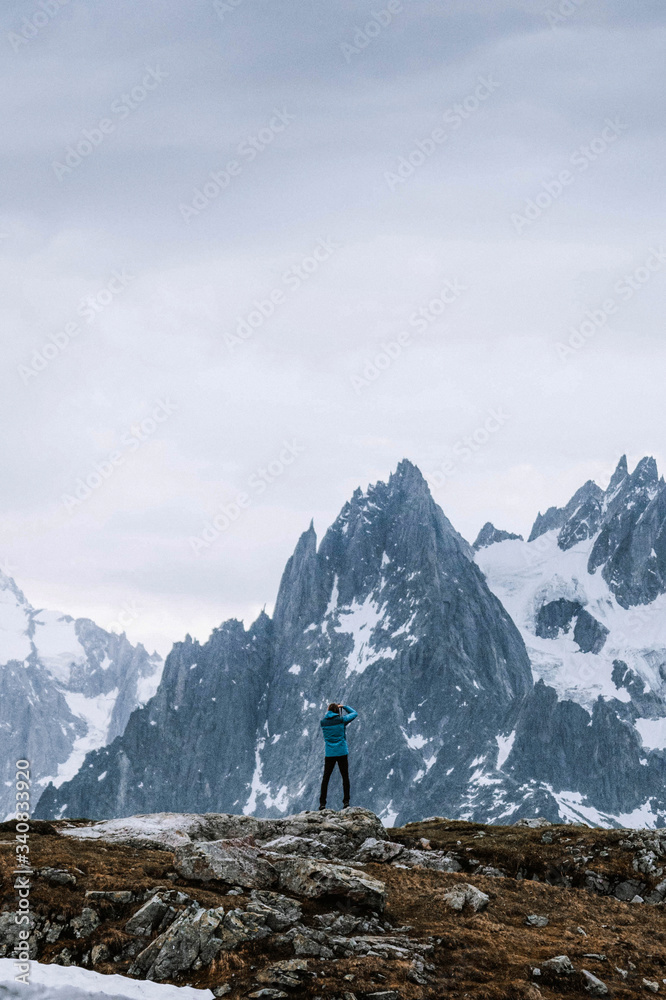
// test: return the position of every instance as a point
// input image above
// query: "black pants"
(329, 766)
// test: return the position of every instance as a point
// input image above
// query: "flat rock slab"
(217, 859)
(341, 832)
(379, 850)
(314, 879)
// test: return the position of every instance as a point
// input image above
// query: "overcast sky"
(495, 164)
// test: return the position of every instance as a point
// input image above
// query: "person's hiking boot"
(345, 805)
(321, 808)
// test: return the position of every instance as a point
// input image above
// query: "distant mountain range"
(66, 687)
(507, 679)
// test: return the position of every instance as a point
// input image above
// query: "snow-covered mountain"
(587, 592)
(510, 679)
(390, 614)
(66, 687)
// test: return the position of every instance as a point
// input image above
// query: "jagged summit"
(627, 522)
(67, 686)
(489, 535)
(409, 477)
(583, 510)
(618, 477)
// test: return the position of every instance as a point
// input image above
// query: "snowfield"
(527, 575)
(57, 982)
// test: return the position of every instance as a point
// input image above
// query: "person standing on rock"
(333, 728)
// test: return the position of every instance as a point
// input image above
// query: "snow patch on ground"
(258, 787)
(96, 713)
(147, 685)
(359, 621)
(652, 733)
(57, 644)
(172, 829)
(416, 742)
(505, 745)
(333, 603)
(388, 815)
(574, 809)
(57, 982)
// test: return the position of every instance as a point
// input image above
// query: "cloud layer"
(250, 220)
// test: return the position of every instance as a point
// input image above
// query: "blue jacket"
(333, 730)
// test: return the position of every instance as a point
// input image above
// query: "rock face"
(522, 679)
(556, 618)
(579, 520)
(314, 880)
(224, 860)
(66, 687)
(391, 614)
(489, 535)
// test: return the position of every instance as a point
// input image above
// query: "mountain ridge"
(469, 707)
(66, 686)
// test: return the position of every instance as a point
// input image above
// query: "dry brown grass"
(487, 956)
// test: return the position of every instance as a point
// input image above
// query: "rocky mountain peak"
(297, 598)
(390, 613)
(409, 478)
(576, 521)
(489, 535)
(618, 477)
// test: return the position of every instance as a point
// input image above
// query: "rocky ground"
(332, 905)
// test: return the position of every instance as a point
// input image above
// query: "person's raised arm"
(349, 715)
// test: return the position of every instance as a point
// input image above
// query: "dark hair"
(334, 707)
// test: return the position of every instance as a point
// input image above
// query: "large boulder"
(279, 912)
(157, 913)
(436, 860)
(378, 851)
(193, 940)
(468, 894)
(305, 847)
(238, 864)
(314, 879)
